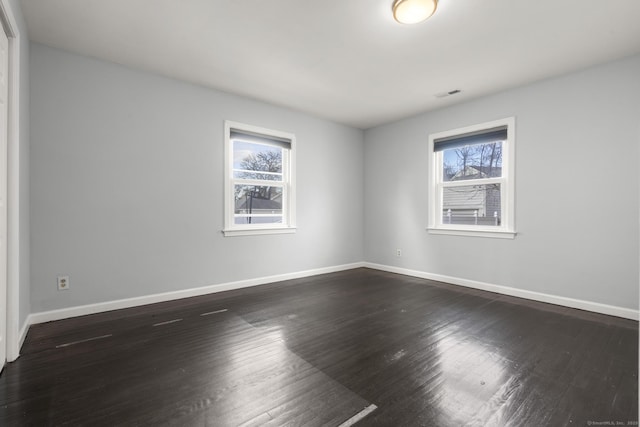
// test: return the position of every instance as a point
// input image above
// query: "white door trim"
(13, 183)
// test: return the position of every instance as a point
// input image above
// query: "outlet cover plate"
(63, 283)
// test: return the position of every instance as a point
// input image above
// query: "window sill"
(258, 231)
(494, 234)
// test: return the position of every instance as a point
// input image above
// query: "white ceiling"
(345, 60)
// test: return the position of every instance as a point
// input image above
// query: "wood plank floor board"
(316, 351)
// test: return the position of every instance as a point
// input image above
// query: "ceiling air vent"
(445, 94)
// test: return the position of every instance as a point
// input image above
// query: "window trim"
(507, 229)
(289, 199)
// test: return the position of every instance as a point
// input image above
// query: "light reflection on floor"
(471, 379)
(263, 381)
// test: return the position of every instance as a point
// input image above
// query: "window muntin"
(259, 187)
(471, 180)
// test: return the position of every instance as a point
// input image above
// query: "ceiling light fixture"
(413, 11)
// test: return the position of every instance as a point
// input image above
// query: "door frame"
(13, 335)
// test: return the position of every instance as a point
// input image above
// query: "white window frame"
(288, 185)
(506, 230)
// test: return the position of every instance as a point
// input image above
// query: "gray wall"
(127, 182)
(23, 165)
(126, 187)
(576, 189)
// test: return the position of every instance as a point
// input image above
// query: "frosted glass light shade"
(413, 11)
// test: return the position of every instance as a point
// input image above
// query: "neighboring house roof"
(260, 204)
(475, 172)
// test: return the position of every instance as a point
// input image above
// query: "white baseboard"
(23, 331)
(82, 310)
(22, 334)
(611, 310)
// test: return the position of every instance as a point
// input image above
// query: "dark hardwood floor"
(320, 350)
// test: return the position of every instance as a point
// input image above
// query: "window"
(259, 180)
(471, 181)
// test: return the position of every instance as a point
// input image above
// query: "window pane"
(258, 204)
(472, 162)
(472, 205)
(257, 161)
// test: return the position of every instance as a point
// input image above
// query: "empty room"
(319, 213)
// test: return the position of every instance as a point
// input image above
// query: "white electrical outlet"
(63, 283)
(398, 252)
